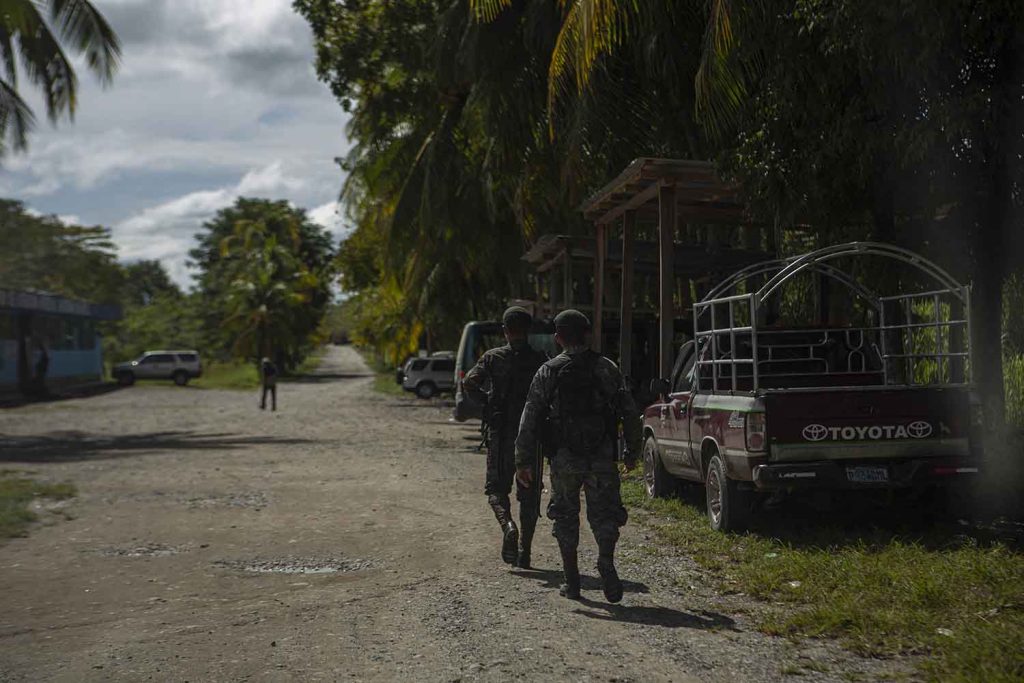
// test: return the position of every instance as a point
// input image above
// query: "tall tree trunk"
(987, 296)
(994, 229)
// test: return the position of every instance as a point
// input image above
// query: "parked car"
(429, 376)
(481, 336)
(402, 370)
(753, 408)
(180, 366)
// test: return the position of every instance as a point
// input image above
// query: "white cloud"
(165, 231)
(269, 179)
(214, 99)
(329, 216)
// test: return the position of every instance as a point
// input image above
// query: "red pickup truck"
(755, 405)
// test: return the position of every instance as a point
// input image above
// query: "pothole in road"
(145, 550)
(297, 565)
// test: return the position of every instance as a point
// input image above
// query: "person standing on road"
(575, 404)
(268, 381)
(500, 380)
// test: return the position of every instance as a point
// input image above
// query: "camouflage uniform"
(501, 379)
(584, 454)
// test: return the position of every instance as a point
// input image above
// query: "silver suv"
(429, 376)
(181, 366)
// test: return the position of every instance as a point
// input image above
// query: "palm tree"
(270, 291)
(592, 30)
(34, 39)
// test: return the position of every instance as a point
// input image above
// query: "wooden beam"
(666, 268)
(639, 199)
(626, 303)
(599, 259)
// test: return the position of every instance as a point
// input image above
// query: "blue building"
(65, 330)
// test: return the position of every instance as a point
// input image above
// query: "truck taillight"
(756, 435)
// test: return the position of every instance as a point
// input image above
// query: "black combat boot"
(509, 532)
(610, 580)
(510, 544)
(529, 524)
(571, 588)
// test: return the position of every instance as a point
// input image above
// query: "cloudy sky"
(214, 99)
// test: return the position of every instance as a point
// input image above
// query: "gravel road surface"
(344, 537)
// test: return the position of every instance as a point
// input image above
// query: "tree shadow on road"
(17, 400)
(655, 615)
(75, 446)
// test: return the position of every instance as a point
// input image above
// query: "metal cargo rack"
(916, 339)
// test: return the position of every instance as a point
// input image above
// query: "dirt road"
(343, 537)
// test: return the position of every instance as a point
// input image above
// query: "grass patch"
(311, 362)
(383, 374)
(231, 375)
(16, 493)
(955, 599)
(237, 374)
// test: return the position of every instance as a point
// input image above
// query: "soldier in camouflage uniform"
(575, 404)
(500, 380)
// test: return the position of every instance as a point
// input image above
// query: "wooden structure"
(693, 216)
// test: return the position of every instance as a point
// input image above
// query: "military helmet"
(572, 320)
(516, 317)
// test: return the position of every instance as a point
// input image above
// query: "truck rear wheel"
(180, 377)
(728, 506)
(657, 481)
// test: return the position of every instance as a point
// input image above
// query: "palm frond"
(488, 10)
(81, 24)
(721, 84)
(44, 61)
(591, 29)
(16, 118)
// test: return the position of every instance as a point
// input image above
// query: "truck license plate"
(867, 474)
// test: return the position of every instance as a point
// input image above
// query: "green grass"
(311, 362)
(233, 375)
(957, 600)
(383, 375)
(16, 493)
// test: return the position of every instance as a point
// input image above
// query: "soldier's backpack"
(508, 396)
(582, 414)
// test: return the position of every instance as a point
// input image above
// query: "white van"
(479, 337)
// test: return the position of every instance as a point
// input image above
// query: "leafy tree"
(265, 272)
(26, 35)
(43, 253)
(147, 280)
(167, 320)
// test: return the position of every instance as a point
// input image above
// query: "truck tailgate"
(861, 424)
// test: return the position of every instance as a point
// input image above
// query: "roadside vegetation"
(16, 495)
(949, 595)
(383, 374)
(498, 118)
(234, 374)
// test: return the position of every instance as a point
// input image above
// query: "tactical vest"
(508, 393)
(581, 415)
